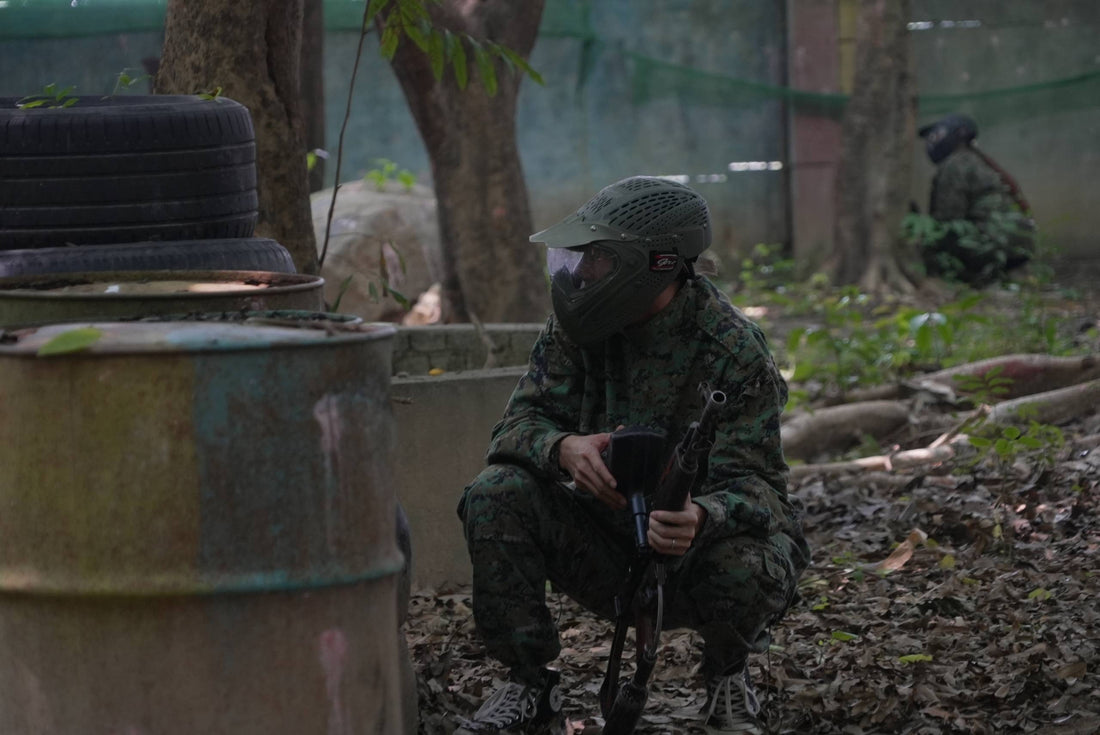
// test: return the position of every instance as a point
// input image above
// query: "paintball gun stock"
(632, 457)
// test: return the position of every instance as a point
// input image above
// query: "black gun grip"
(634, 457)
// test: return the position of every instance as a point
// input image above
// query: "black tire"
(141, 190)
(123, 124)
(229, 227)
(243, 254)
(170, 211)
(126, 169)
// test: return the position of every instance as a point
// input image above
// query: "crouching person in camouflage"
(633, 334)
(985, 224)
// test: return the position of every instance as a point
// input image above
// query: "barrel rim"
(22, 343)
(43, 286)
(47, 583)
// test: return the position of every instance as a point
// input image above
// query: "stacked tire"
(143, 182)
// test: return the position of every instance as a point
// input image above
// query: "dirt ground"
(958, 597)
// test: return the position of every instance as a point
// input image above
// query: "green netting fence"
(651, 79)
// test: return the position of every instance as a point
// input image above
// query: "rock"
(396, 224)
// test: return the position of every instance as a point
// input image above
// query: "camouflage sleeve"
(961, 181)
(543, 407)
(950, 199)
(746, 483)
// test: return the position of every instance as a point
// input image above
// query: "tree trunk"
(313, 85)
(252, 51)
(878, 131)
(491, 272)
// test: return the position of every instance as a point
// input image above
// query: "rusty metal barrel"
(66, 297)
(197, 531)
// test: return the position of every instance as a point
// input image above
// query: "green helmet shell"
(649, 227)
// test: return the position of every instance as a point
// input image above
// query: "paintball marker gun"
(632, 458)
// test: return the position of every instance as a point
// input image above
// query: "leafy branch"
(410, 19)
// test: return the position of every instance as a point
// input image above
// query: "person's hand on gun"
(579, 456)
(672, 532)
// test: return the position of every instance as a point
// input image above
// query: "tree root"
(1049, 407)
(1029, 374)
(806, 435)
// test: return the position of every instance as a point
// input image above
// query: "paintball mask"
(945, 135)
(610, 260)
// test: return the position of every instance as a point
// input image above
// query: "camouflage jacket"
(966, 187)
(649, 375)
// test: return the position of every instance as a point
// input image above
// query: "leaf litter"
(959, 597)
(935, 603)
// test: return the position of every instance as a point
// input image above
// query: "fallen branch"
(903, 460)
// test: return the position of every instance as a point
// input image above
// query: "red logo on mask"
(662, 262)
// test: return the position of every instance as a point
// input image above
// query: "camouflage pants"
(522, 531)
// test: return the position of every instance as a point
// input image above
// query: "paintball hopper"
(634, 457)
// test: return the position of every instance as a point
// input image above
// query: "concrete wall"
(443, 426)
(453, 347)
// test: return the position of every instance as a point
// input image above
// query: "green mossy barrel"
(54, 298)
(197, 531)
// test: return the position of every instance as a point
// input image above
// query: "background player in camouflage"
(633, 333)
(987, 229)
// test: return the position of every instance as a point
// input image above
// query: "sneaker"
(732, 705)
(519, 707)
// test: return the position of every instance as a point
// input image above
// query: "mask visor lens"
(583, 267)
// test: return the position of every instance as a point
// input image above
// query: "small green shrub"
(386, 170)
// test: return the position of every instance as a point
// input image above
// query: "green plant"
(843, 350)
(1039, 442)
(852, 339)
(50, 97)
(1004, 445)
(988, 388)
(932, 334)
(313, 156)
(384, 285)
(962, 249)
(764, 270)
(214, 95)
(386, 170)
(410, 19)
(124, 81)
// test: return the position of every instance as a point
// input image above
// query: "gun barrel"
(714, 399)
